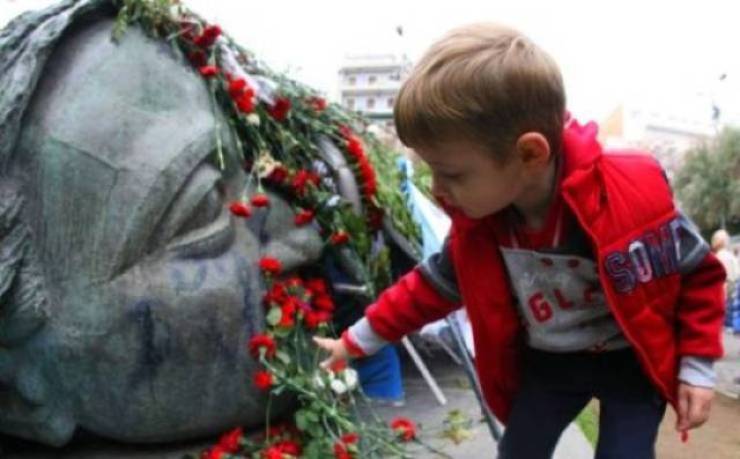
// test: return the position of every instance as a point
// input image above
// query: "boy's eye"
(450, 176)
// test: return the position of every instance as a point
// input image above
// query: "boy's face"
(468, 177)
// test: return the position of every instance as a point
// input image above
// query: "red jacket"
(624, 204)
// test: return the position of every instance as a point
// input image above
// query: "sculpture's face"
(153, 283)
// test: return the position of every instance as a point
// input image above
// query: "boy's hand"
(694, 403)
(337, 349)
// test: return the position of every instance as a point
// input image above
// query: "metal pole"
(472, 376)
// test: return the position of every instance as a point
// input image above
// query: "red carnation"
(272, 452)
(240, 209)
(289, 447)
(208, 71)
(323, 302)
(404, 428)
(217, 452)
(260, 200)
(340, 451)
(208, 37)
(279, 111)
(277, 294)
(354, 147)
(338, 365)
(339, 238)
(230, 440)
(304, 217)
(198, 58)
(271, 265)
(317, 103)
(263, 380)
(259, 342)
(187, 30)
(316, 285)
(341, 447)
(245, 102)
(294, 282)
(278, 174)
(301, 179)
(313, 319)
(345, 131)
(287, 316)
(236, 87)
(350, 438)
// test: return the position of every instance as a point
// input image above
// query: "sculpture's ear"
(23, 297)
(280, 237)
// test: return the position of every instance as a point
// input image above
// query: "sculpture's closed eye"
(199, 220)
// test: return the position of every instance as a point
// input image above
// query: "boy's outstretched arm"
(425, 294)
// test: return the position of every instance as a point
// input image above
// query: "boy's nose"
(438, 190)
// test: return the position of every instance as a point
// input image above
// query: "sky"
(667, 54)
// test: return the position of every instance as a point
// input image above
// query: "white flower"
(253, 119)
(265, 164)
(338, 386)
(350, 378)
(318, 381)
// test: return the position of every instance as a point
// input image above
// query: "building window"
(372, 79)
(370, 102)
(350, 102)
(351, 80)
(390, 102)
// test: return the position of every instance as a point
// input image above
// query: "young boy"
(580, 277)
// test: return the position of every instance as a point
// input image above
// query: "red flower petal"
(260, 200)
(198, 58)
(278, 174)
(272, 452)
(338, 365)
(404, 427)
(350, 438)
(271, 265)
(263, 380)
(245, 102)
(208, 37)
(318, 103)
(258, 342)
(208, 71)
(316, 285)
(304, 217)
(236, 87)
(230, 440)
(340, 237)
(279, 111)
(240, 209)
(323, 302)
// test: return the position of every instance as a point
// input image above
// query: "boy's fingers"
(326, 364)
(324, 343)
(683, 410)
(698, 412)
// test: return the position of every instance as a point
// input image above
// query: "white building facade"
(368, 84)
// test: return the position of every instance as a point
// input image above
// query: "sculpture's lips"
(209, 240)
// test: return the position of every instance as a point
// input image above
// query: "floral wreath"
(277, 123)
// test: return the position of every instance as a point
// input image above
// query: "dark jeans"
(556, 387)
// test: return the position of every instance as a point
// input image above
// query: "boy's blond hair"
(483, 83)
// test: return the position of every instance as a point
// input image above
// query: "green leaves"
(708, 184)
(274, 315)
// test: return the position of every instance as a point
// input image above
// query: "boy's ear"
(533, 149)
